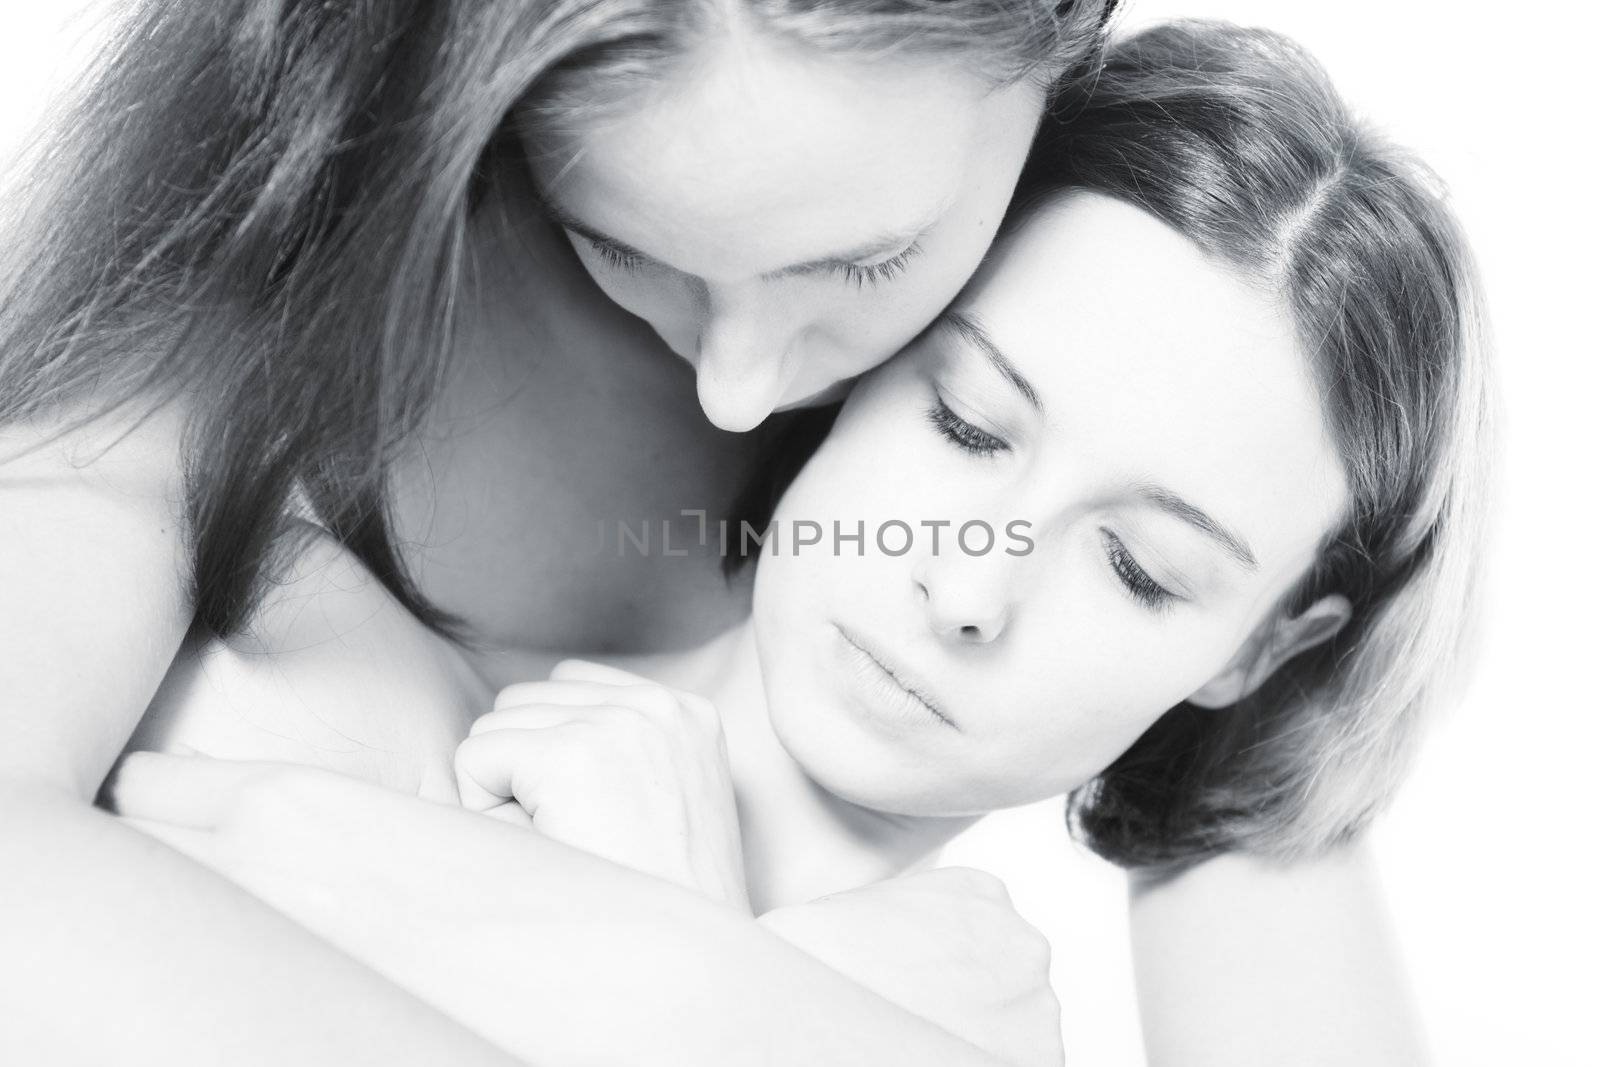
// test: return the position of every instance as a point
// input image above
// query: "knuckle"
(624, 720)
(702, 713)
(1035, 953)
(570, 665)
(1050, 1003)
(691, 704)
(473, 752)
(654, 700)
(640, 738)
(483, 724)
(513, 695)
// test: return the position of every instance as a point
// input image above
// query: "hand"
(946, 945)
(616, 765)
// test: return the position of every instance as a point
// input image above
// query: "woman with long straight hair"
(431, 277)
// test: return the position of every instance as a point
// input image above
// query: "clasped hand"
(616, 765)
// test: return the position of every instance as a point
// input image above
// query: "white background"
(1486, 855)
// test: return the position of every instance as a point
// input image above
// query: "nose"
(966, 600)
(747, 358)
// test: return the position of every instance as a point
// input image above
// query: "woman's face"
(786, 220)
(1150, 415)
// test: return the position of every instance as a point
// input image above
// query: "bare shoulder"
(1242, 960)
(331, 672)
(92, 564)
(133, 448)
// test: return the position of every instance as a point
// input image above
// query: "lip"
(893, 675)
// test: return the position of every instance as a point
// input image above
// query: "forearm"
(1240, 962)
(119, 950)
(783, 1007)
(547, 951)
(604, 965)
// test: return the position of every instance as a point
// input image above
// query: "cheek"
(1051, 731)
(879, 464)
(1110, 672)
(856, 476)
(658, 297)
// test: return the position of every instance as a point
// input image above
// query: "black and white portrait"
(977, 533)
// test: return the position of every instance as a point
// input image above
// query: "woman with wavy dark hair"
(446, 281)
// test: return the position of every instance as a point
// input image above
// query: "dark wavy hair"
(1236, 139)
(258, 208)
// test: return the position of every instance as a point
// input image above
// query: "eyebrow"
(1181, 509)
(970, 328)
(888, 241)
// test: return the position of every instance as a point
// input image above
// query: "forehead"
(758, 156)
(1157, 362)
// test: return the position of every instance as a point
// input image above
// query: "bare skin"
(376, 647)
(511, 502)
(100, 555)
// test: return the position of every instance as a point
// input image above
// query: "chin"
(861, 769)
(873, 793)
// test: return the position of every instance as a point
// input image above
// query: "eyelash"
(963, 434)
(886, 271)
(611, 257)
(1145, 589)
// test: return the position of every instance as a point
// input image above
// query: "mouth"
(886, 675)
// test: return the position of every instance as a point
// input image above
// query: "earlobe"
(1270, 647)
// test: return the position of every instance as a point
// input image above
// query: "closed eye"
(612, 256)
(963, 434)
(872, 274)
(877, 273)
(1143, 588)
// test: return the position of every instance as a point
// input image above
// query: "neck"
(800, 841)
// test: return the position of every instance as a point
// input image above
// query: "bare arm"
(556, 954)
(118, 948)
(1241, 962)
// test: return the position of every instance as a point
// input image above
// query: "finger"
(192, 791)
(536, 717)
(579, 700)
(504, 765)
(582, 670)
(637, 690)
(511, 812)
(573, 692)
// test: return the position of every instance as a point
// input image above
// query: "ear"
(1275, 642)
